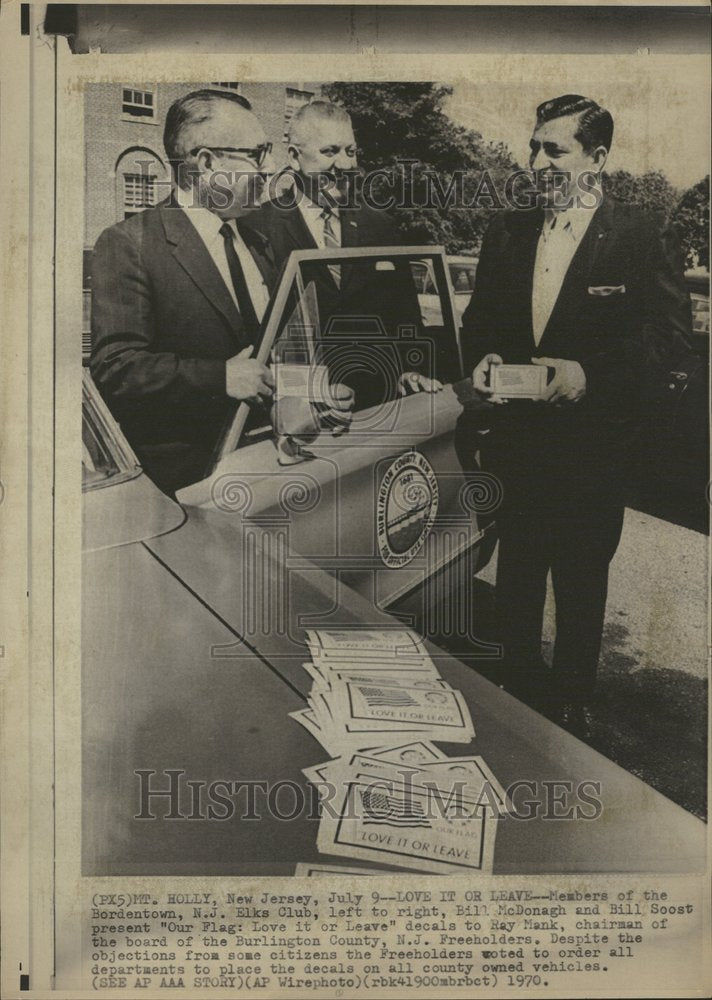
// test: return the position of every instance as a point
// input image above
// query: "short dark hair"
(595, 124)
(191, 109)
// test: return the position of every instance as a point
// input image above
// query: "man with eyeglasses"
(314, 204)
(179, 292)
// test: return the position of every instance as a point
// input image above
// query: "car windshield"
(105, 458)
(363, 318)
(382, 326)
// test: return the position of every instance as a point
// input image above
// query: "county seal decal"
(407, 505)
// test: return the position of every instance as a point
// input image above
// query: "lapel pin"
(352, 223)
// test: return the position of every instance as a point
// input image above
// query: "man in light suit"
(179, 292)
(594, 291)
(319, 207)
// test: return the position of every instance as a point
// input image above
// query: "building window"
(227, 86)
(139, 193)
(142, 180)
(138, 105)
(293, 101)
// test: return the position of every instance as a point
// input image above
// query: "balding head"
(200, 119)
(313, 116)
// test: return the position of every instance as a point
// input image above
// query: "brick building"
(126, 169)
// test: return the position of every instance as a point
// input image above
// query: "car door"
(386, 506)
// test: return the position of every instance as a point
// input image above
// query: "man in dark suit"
(319, 207)
(595, 292)
(179, 291)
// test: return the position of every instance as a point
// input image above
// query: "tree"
(691, 219)
(651, 191)
(434, 168)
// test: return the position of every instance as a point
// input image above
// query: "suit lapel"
(524, 234)
(352, 235)
(579, 271)
(261, 250)
(192, 255)
(601, 226)
(297, 232)
(350, 229)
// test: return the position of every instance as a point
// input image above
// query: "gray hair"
(192, 109)
(315, 111)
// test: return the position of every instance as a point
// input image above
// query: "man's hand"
(568, 384)
(410, 382)
(248, 379)
(340, 405)
(479, 377)
(303, 420)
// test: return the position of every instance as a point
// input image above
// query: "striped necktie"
(331, 242)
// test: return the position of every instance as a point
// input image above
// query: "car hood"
(125, 512)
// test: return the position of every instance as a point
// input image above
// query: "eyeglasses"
(258, 154)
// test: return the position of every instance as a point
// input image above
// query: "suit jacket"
(163, 325)
(356, 353)
(622, 312)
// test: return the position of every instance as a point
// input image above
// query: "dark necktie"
(242, 293)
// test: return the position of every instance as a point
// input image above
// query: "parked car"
(404, 447)
(194, 613)
(675, 465)
(461, 272)
(193, 626)
(698, 284)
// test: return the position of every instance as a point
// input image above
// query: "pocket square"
(604, 290)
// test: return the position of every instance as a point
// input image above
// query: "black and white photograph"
(383, 552)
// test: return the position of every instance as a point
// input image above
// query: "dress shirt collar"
(574, 220)
(206, 222)
(315, 221)
(207, 225)
(315, 210)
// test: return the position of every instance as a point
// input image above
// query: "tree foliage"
(404, 123)
(691, 219)
(651, 191)
(404, 131)
(689, 213)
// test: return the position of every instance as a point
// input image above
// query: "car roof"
(698, 280)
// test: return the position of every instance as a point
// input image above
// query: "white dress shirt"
(312, 215)
(207, 226)
(560, 237)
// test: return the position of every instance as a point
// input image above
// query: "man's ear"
(204, 161)
(293, 156)
(600, 155)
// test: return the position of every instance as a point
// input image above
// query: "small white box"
(518, 381)
(310, 382)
